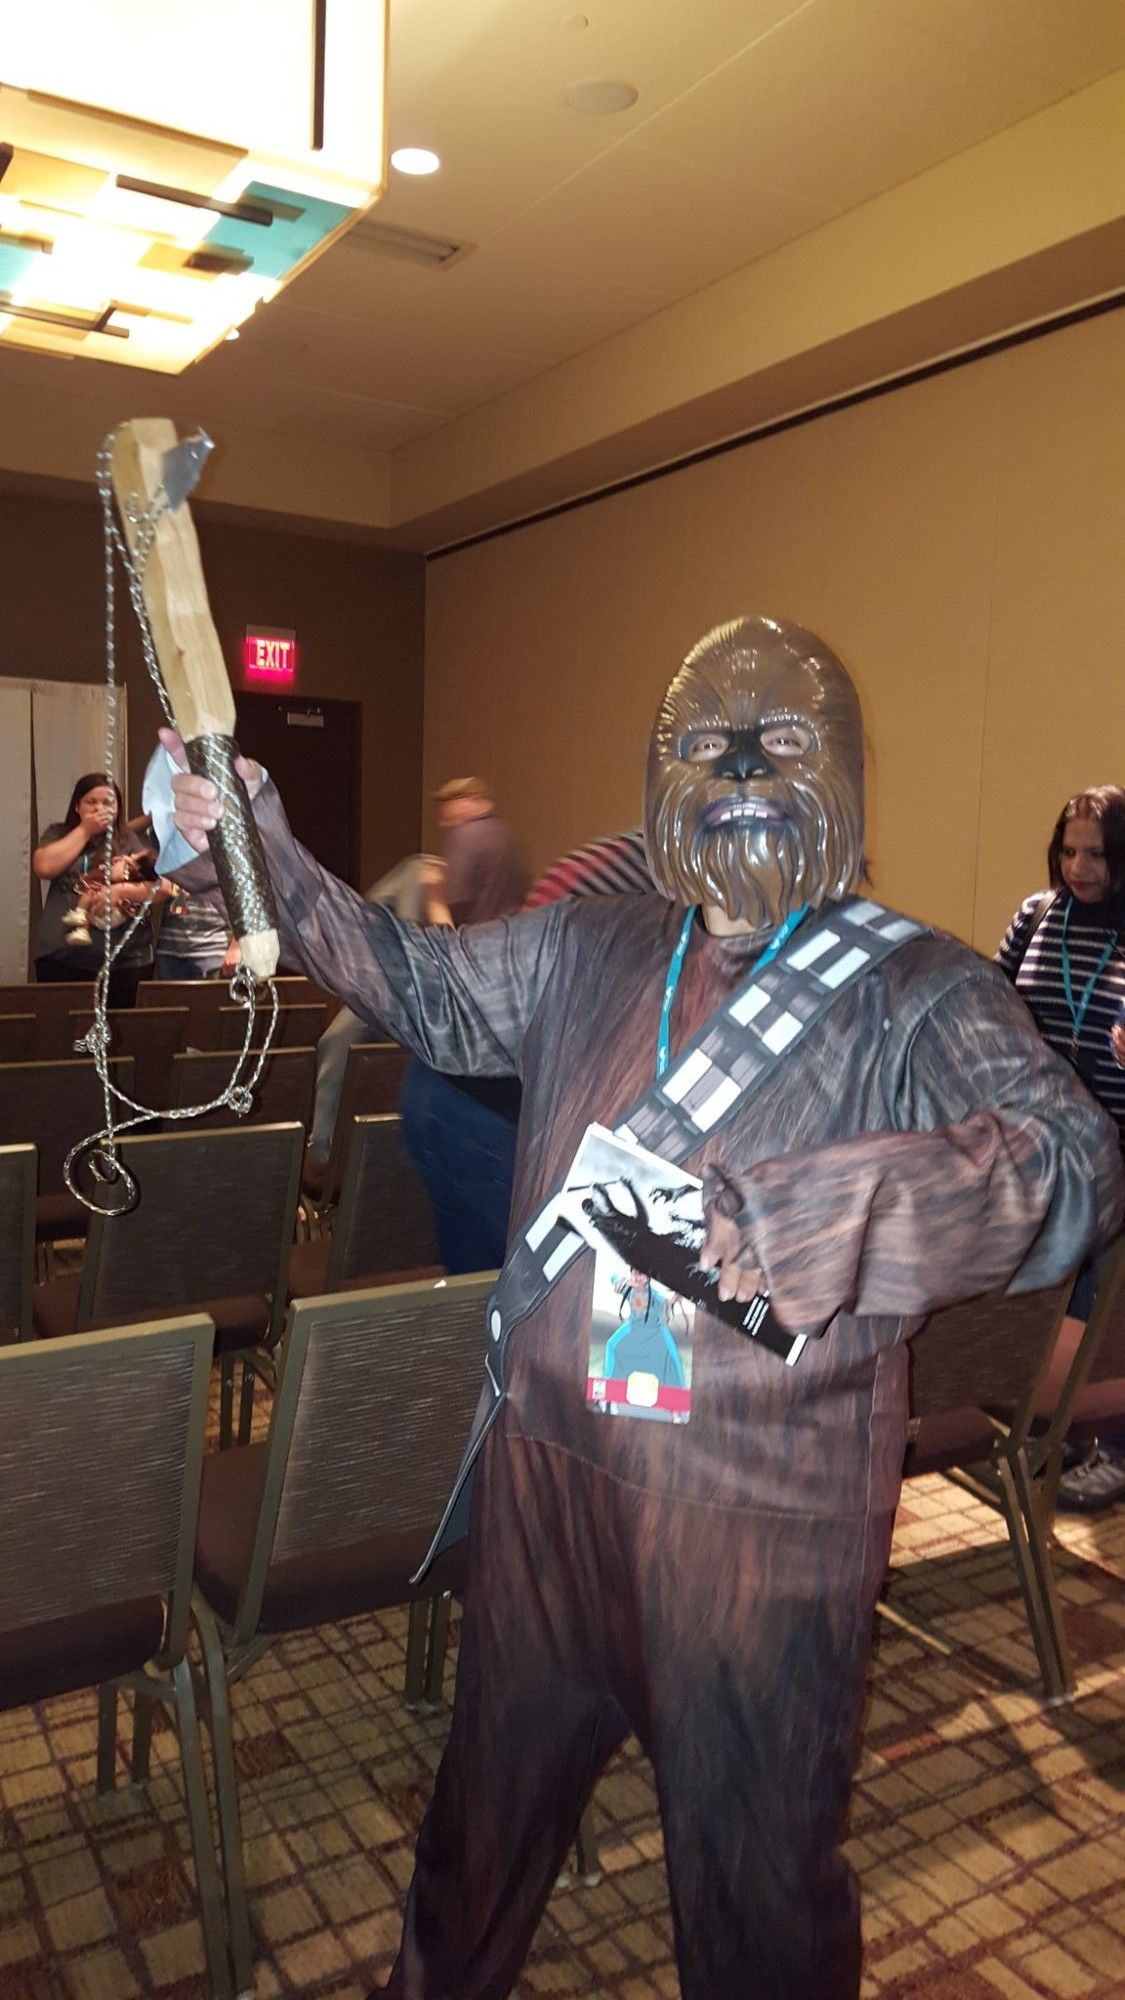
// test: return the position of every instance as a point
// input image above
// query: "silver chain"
(101, 1149)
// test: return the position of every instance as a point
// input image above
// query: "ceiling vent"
(383, 239)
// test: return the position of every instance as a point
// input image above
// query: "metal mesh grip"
(235, 843)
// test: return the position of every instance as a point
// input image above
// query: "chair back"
(151, 1035)
(17, 1241)
(282, 1094)
(298, 1027)
(101, 1452)
(52, 1105)
(384, 1222)
(202, 998)
(986, 1351)
(375, 1397)
(372, 1083)
(214, 1219)
(51, 1005)
(18, 1038)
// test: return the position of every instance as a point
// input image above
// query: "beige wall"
(357, 612)
(959, 543)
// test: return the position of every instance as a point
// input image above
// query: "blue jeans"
(465, 1154)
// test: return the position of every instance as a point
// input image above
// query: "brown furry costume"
(711, 1586)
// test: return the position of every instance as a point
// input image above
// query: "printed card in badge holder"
(644, 1220)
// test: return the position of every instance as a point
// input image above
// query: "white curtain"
(68, 736)
(15, 820)
(58, 730)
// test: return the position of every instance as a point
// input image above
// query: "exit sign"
(270, 655)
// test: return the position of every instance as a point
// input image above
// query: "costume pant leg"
(533, 1724)
(735, 1641)
(755, 1638)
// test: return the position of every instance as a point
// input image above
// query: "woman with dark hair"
(1064, 951)
(71, 858)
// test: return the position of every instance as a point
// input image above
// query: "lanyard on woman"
(783, 932)
(1078, 1012)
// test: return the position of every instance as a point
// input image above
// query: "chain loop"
(100, 1150)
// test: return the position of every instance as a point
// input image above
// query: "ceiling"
(402, 396)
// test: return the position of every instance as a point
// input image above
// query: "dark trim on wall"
(848, 400)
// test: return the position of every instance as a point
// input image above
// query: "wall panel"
(957, 540)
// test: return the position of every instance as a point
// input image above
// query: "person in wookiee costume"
(709, 1584)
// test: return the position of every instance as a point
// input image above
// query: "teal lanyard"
(783, 932)
(1078, 1013)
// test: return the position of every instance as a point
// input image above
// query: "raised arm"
(459, 999)
(999, 1170)
(52, 858)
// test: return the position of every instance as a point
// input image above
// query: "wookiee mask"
(754, 794)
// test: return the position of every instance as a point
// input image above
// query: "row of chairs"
(109, 1553)
(53, 1105)
(153, 1036)
(51, 1006)
(213, 1229)
(997, 1379)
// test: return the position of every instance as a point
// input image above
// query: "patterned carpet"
(988, 1830)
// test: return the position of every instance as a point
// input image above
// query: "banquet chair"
(283, 1092)
(298, 1027)
(383, 1226)
(101, 1451)
(151, 1035)
(19, 1034)
(210, 1231)
(1084, 1387)
(52, 1006)
(17, 1241)
(373, 1076)
(204, 998)
(329, 1518)
(975, 1370)
(53, 1105)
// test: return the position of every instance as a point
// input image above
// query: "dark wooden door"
(311, 750)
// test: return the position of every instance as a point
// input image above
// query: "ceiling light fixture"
(601, 96)
(415, 160)
(166, 170)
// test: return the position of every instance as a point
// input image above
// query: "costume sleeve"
(459, 999)
(999, 1171)
(1016, 939)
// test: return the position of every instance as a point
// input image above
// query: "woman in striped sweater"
(1064, 951)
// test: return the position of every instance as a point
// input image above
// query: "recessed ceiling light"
(231, 333)
(601, 95)
(414, 160)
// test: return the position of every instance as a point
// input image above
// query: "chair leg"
(107, 1737)
(1030, 1503)
(246, 1405)
(414, 1685)
(227, 1801)
(226, 1401)
(587, 1860)
(1047, 1491)
(220, 1986)
(1038, 1610)
(439, 1642)
(140, 1760)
